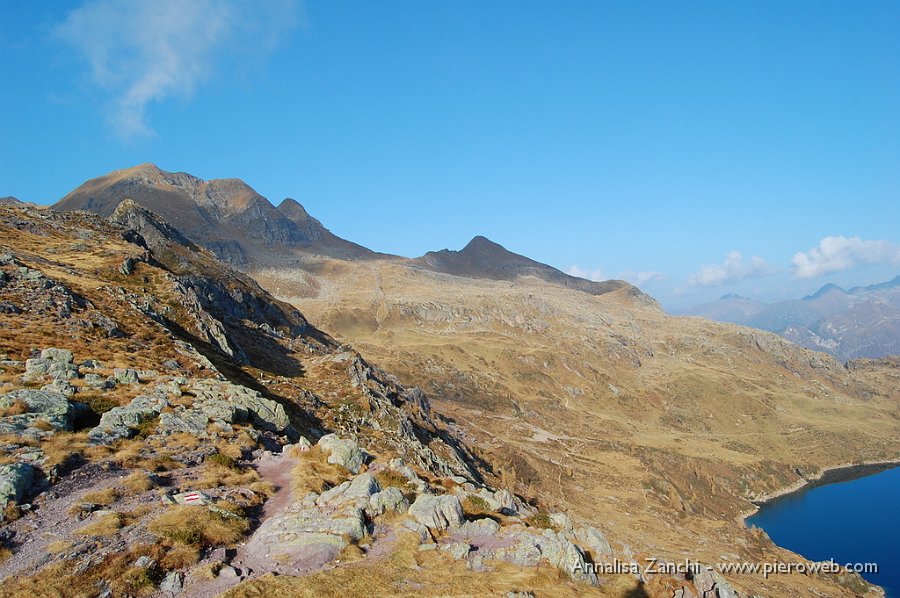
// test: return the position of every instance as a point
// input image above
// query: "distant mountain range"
(241, 227)
(858, 322)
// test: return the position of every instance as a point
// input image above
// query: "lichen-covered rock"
(501, 501)
(593, 540)
(345, 453)
(237, 402)
(15, 480)
(62, 387)
(172, 583)
(710, 584)
(186, 421)
(43, 405)
(388, 500)
(126, 376)
(458, 550)
(561, 521)
(437, 512)
(122, 422)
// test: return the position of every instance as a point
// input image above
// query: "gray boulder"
(15, 480)
(593, 540)
(437, 512)
(126, 376)
(52, 407)
(172, 583)
(60, 355)
(121, 422)
(187, 421)
(345, 453)
(62, 387)
(388, 500)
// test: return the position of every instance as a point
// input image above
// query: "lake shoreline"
(834, 474)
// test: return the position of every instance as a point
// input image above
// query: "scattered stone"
(15, 481)
(62, 387)
(388, 500)
(121, 422)
(593, 540)
(172, 583)
(345, 453)
(43, 405)
(228, 572)
(458, 550)
(125, 376)
(561, 521)
(191, 498)
(144, 562)
(437, 512)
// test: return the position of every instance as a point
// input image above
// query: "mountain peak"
(825, 289)
(294, 210)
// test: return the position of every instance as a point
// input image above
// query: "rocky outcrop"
(15, 480)
(345, 453)
(123, 422)
(437, 512)
(525, 547)
(54, 363)
(51, 408)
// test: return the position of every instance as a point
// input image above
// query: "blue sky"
(698, 148)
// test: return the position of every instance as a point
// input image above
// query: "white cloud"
(595, 275)
(842, 253)
(143, 51)
(598, 275)
(732, 270)
(640, 278)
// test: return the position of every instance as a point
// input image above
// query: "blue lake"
(855, 521)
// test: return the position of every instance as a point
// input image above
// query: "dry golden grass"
(58, 546)
(408, 572)
(42, 425)
(138, 482)
(266, 489)
(313, 473)
(5, 553)
(104, 497)
(216, 475)
(180, 556)
(64, 448)
(388, 478)
(12, 512)
(198, 526)
(59, 580)
(105, 525)
(17, 407)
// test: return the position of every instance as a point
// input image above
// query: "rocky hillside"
(171, 429)
(595, 409)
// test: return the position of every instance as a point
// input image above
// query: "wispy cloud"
(598, 275)
(640, 278)
(732, 270)
(144, 51)
(833, 254)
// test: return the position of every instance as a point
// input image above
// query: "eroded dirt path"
(249, 559)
